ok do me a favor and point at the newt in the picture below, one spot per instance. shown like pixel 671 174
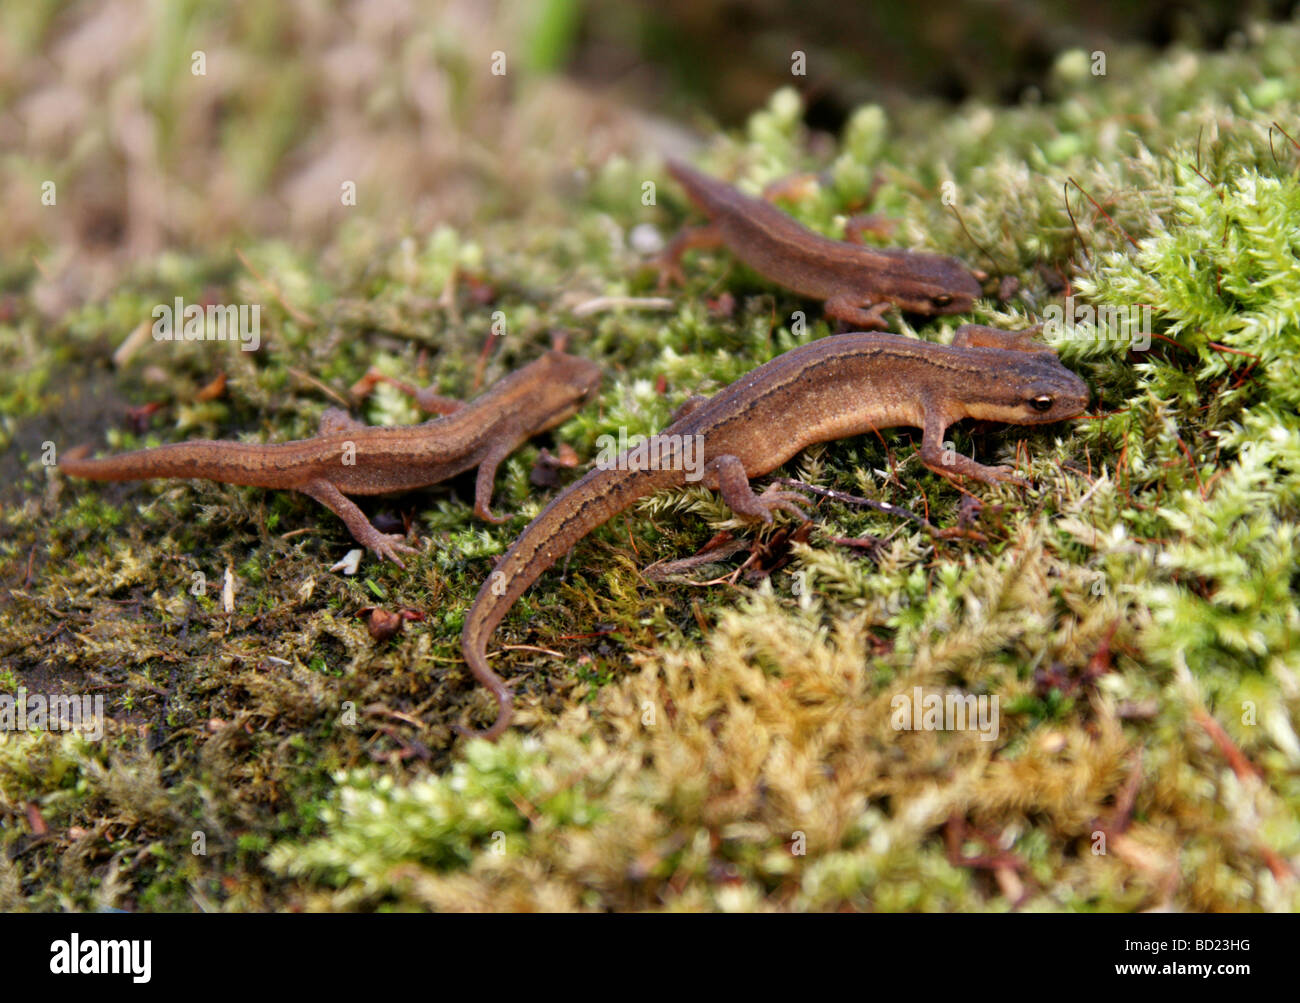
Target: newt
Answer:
pixel 349 457
pixel 839 386
pixel 857 283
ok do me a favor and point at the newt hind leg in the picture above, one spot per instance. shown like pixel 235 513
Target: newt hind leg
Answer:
pixel 334 419
pixel 669 261
pixel 486 480
pixel 692 403
pixel 426 398
pixel 385 546
pixel 983 336
pixel 728 474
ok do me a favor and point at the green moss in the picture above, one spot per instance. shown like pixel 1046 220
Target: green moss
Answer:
pixel 689 728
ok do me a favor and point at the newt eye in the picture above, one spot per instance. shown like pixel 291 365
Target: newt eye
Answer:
pixel 943 299
pixel 1041 403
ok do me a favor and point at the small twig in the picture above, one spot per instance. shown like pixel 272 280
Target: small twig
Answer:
pixel 1195 473
pixel 378 708
pixel 1198 173
pixel 840 496
pixel 867 543
pixel 1176 344
pixel 955 834
pixel 410 746
pixel 711 554
pixel 602 303
pixel 1235 351
pixel 582 637
pixel 312 381
pixel 290 309
pixel 1109 219
pixel 1065 194
pixel 1121 816
pixel 532 647
pixel 526 808
pixel 133 342
pixel 1241 766
pixel 1284 133
pixel 982 249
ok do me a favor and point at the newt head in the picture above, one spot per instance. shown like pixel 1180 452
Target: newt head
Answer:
pixel 932 284
pixel 1027 390
pixel 568 383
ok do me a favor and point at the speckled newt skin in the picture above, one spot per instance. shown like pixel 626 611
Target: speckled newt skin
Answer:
pixel 857 283
pixel 840 386
pixel 349 457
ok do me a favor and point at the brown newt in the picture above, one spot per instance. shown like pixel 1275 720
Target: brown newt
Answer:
pixel 836 387
pixel 857 283
pixel 349 457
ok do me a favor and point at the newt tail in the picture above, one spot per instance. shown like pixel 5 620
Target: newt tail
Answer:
pixel 263 465
pixel 593 499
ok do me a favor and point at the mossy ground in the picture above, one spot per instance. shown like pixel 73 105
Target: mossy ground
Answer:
pixel 716 740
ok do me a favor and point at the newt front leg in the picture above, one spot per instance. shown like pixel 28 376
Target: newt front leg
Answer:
pixel 850 310
pixel 951 464
pixel 426 398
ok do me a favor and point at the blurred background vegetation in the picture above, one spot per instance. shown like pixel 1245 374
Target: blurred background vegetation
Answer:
pixel 103 99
